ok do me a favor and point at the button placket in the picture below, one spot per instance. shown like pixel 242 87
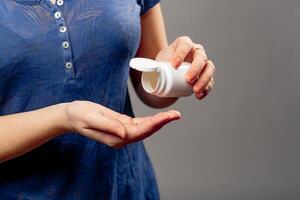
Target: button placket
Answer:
pixel 59 2
pixel 62 31
pixel 65 44
pixel 57 15
pixel 69 65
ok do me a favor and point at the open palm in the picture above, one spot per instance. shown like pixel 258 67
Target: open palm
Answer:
pixel 112 128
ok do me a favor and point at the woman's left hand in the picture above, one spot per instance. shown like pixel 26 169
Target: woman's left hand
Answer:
pixel 200 75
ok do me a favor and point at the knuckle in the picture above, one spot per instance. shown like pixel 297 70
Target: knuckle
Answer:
pixel 182 51
pixel 201 55
pixel 204 56
pixel 185 39
pixel 202 64
pixel 213 68
pixel 186 47
pixel 180 56
pixel 199 46
pixel 211 64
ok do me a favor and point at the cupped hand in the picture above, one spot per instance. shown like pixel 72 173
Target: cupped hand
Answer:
pixel 200 75
pixel 112 128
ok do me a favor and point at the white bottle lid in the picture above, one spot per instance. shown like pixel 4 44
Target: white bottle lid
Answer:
pixel 144 64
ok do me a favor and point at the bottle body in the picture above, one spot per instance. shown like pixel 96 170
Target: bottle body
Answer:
pixel 167 81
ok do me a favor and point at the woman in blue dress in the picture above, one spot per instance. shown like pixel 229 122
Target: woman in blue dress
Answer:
pixel 67 130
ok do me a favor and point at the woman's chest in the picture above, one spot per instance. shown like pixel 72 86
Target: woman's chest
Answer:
pixel 70 29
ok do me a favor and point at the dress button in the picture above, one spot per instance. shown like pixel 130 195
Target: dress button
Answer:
pixel 65 44
pixel 60 2
pixel 63 29
pixel 69 65
pixel 57 15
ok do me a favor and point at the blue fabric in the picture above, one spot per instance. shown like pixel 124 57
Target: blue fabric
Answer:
pixel 103 36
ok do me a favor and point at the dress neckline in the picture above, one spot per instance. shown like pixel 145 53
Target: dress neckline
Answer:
pixel 53 2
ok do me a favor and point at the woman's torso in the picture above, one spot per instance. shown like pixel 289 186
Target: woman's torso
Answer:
pixel 81 54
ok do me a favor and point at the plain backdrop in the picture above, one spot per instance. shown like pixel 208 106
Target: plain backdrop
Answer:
pixel 241 142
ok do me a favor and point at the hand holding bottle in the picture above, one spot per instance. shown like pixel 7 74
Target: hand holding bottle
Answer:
pixel 200 73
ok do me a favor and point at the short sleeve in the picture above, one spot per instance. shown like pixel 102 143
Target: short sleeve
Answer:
pixel 147 5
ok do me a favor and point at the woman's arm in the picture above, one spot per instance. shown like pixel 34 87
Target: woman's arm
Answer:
pixel 19 133
pixel 154 45
pixel 22 132
pixel 153 40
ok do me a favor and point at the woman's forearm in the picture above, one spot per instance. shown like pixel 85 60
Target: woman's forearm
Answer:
pixel 22 132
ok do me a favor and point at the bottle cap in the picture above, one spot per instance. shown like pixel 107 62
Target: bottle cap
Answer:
pixel 144 64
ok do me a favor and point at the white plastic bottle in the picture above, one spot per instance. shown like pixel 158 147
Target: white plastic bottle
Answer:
pixel 161 78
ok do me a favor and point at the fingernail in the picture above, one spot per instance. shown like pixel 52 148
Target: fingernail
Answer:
pixel 200 96
pixel 175 115
pixel 206 91
pixel 178 113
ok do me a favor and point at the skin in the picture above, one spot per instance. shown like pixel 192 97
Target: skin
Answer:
pixel 22 132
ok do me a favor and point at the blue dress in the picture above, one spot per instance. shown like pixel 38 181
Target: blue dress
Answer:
pixel 74 50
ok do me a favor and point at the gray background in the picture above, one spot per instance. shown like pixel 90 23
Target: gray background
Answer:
pixel 242 142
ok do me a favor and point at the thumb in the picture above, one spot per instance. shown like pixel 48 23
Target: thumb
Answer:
pixel 151 125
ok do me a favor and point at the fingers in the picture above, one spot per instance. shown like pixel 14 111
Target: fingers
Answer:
pixel 110 140
pixel 182 47
pixel 137 129
pixel 206 91
pixel 102 123
pixel 199 61
pixel 205 77
pixel 151 125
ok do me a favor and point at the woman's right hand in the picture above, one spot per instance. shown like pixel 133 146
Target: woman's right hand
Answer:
pixel 112 128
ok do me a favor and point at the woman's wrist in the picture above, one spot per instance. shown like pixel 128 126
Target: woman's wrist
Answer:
pixel 59 119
